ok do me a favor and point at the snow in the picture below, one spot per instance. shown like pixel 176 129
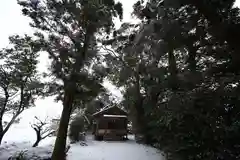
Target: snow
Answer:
pixel 21 137
pixel 122 150
pixel 11 150
pixel 108 115
pixel 107 108
pixel 93 150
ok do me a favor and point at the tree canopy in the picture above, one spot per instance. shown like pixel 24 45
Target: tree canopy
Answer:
pixel 178 68
pixel 68 31
pixel 20 83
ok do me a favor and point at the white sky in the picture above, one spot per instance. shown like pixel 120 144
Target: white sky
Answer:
pixel 14 23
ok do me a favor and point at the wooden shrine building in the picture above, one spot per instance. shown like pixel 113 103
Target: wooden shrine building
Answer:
pixel 110 123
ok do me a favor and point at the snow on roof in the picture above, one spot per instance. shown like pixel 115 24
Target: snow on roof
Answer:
pixel 107 108
pixel 118 116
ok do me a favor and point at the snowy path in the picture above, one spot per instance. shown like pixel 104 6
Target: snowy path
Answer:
pixel 95 150
pixel 128 150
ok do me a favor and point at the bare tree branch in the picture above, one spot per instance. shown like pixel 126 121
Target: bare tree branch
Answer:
pixel 41 129
pixel 14 117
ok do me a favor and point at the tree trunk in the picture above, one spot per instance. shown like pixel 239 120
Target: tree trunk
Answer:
pixel 1 131
pixel 36 143
pixel 172 66
pixel 1 138
pixel 192 59
pixel 140 113
pixel 2 111
pixel 59 151
pixel 39 138
pixel 192 66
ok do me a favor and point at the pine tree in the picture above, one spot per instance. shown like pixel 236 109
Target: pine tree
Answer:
pixel 20 83
pixel 67 31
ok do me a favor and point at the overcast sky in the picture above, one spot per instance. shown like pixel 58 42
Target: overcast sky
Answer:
pixel 12 22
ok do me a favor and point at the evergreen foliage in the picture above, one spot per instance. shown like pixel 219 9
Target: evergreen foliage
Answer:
pixel 19 81
pixel 77 128
pixel 67 30
pixel 179 70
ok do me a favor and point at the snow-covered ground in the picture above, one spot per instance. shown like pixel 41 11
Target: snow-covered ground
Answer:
pixel 21 137
pixel 113 150
pixel 10 148
pixel 14 149
pixel 95 150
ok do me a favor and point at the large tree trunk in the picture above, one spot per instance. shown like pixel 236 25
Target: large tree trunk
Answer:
pixel 1 131
pixel 59 152
pixel 192 66
pixel 140 112
pixel 192 59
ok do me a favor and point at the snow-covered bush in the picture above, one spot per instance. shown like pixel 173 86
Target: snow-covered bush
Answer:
pixel 23 156
pixel 77 129
pixel 19 156
pixel 24 151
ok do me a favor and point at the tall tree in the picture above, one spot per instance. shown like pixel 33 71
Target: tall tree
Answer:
pixel 70 29
pixel 188 77
pixel 19 80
